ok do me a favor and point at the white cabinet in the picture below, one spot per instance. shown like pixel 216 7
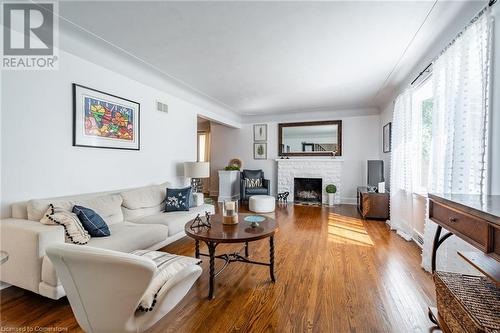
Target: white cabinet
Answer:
pixel 229 185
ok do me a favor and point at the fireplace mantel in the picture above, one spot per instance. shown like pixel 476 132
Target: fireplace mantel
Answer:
pixel 328 169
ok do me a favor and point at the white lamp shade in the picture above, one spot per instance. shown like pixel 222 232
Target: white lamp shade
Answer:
pixel 197 169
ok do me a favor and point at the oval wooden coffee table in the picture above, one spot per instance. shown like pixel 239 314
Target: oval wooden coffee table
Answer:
pixel 243 232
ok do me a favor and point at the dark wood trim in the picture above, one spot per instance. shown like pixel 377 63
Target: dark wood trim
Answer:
pixel 103 92
pixel 310 123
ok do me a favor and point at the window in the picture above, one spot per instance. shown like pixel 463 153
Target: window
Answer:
pixel 202 147
pixel 422 105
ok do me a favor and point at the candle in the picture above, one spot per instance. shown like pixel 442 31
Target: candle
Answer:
pixel 230 205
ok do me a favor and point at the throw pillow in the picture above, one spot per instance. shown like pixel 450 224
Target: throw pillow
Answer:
pixel 91 221
pixel 178 199
pixel 168 265
pixel 253 182
pixel 254 174
pixel 75 233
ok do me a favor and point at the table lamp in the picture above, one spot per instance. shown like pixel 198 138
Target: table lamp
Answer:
pixel 196 171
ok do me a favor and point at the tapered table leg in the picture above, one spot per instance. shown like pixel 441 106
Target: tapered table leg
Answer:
pixel 211 252
pixel 197 248
pixel 271 255
pixel 246 249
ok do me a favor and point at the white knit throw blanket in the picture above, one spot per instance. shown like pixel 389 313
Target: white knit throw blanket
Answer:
pixel 168 265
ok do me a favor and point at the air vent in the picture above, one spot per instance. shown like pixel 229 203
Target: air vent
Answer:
pixel 161 106
pixel 418 238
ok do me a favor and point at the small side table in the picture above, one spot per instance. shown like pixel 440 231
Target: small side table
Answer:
pixel 373 205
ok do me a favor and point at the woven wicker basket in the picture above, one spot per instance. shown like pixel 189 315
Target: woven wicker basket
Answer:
pixel 467 303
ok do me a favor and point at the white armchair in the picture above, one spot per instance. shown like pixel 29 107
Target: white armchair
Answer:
pixel 104 287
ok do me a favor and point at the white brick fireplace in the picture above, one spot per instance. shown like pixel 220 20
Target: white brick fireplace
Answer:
pixel 329 170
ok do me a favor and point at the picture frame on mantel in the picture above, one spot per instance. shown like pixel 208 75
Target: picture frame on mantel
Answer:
pixel 260 132
pixel 102 120
pixel 387 132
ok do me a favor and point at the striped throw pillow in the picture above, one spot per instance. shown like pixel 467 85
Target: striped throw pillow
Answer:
pixel 253 182
pixel 75 233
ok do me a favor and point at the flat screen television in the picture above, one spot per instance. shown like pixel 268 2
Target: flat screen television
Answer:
pixel 375 172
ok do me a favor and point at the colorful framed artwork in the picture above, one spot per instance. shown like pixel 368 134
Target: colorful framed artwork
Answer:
pixel 260 151
pixel 102 120
pixel 260 132
pixel 387 137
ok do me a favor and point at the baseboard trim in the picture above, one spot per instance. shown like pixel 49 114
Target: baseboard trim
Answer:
pixel 349 201
pixel 4 285
pixel 344 201
pixel 418 238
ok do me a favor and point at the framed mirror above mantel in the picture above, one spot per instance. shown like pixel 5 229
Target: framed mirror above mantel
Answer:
pixel 313 138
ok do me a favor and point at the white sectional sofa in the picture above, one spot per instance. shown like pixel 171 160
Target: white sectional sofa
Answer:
pixel 135 218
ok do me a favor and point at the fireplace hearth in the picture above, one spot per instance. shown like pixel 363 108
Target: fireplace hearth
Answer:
pixel 308 190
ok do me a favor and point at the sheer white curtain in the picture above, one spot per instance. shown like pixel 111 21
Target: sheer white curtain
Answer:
pixel 459 145
pixel 403 165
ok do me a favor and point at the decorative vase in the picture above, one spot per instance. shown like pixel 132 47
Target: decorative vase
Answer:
pixel 331 199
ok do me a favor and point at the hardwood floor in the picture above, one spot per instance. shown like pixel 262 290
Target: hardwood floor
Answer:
pixel 334 271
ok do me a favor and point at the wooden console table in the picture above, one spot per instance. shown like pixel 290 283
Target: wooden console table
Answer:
pixel 476 220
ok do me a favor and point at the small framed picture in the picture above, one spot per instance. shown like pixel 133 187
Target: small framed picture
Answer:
pixel 387 137
pixel 260 132
pixel 102 120
pixel 260 151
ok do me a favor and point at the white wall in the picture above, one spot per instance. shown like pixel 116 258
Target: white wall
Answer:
pixel 228 143
pixel 37 156
pixel 360 142
pixel 385 118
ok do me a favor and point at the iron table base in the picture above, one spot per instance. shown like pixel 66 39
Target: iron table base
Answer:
pixel 232 257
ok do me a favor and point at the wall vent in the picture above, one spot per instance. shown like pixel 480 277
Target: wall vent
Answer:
pixel 160 106
pixel 418 238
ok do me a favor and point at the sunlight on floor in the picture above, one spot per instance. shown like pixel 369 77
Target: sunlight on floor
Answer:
pixel 347 230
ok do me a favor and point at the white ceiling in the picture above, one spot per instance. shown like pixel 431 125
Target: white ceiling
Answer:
pixel 274 57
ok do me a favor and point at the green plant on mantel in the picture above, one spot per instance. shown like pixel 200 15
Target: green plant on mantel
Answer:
pixel 330 188
pixel 232 168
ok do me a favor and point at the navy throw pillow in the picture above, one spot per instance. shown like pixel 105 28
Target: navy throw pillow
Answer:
pixel 92 222
pixel 178 199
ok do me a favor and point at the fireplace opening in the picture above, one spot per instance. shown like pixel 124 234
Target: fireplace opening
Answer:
pixel 307 190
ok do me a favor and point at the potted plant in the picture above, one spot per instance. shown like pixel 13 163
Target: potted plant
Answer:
pixel 331 190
